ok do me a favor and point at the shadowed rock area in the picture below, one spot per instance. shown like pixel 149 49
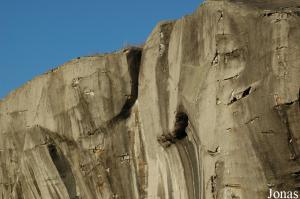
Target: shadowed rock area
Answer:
pixel 208 108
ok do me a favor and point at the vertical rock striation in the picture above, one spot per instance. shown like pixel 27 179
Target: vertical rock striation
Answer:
pixel 208 108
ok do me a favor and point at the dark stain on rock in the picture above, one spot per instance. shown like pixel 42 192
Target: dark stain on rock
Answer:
pixel 189 159
pixel 162 73
pixel 34 181
pixel 19 191
pixel 134 61
pixel 217 179
pixel 282 112
pixel 64 169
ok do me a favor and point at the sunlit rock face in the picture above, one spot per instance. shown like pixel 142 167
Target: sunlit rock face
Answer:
pixel 208 108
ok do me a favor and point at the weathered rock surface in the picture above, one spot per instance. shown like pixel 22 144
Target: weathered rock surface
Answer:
pixel 209 108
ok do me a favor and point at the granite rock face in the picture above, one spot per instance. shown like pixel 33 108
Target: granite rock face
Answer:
pixel 208 108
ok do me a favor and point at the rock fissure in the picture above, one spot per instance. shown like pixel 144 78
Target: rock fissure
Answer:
pixel 178 133
pixel 134 57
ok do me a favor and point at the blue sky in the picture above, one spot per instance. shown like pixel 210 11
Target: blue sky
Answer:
pixel 37 35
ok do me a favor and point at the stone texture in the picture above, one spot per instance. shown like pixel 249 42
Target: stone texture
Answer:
pixel 208 108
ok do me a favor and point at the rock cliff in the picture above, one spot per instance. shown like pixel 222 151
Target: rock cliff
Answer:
pixel 208 108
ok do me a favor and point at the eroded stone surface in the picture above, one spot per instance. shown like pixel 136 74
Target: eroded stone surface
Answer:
pixel 209 108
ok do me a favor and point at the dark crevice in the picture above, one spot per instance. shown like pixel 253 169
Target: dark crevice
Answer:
pixel 214 152
pixel 182 121
pixel 268 14
pixel 252 120
pixel 134 56
pixel 271 13
pixel 178 133
pixel 213 185
pixel 215 60
pixel 288 104
pixel 232 77
pixel 282 111
pixel 221 15
pixel 240 95
pixel 216 180
pixel 296 174
pixel 234 53
pixel 246 92
pixel 64 169
pixel 268 132
pixel 234 99
pixel 281 47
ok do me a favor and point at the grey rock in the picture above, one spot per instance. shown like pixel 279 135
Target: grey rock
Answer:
pixel 208 108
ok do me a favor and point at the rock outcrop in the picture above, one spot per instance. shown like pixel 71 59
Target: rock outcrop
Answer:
pixel 208 108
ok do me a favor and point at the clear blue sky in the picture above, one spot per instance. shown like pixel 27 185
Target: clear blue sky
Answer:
pixel 37 35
